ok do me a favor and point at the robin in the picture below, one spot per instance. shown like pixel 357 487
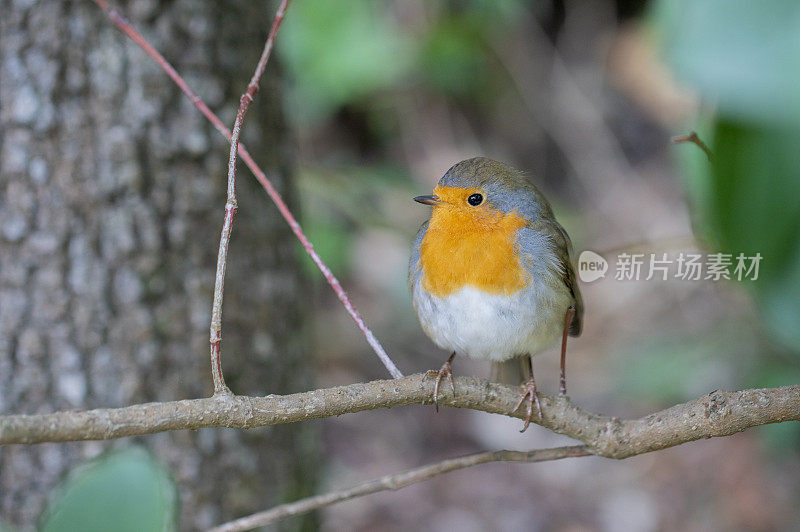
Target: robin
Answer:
pixel 491 275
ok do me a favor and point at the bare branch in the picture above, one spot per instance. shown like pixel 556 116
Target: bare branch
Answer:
pixel 262 178
pixel 719 413
pixel 694 139
pixel 397 481
pixel 231 205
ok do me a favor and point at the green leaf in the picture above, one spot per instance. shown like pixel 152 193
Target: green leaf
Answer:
pixel 743 58
pixel 121 491
pixel 755 177
pixel 748 201
pixel 754 208
pixel 742 55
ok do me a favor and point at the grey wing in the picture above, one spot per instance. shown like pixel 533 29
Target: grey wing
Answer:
pixel 561 247
pixel 413 264
pixel 576 325
pixel 564 254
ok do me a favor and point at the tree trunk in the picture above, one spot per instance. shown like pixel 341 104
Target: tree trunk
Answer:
pixel 113 192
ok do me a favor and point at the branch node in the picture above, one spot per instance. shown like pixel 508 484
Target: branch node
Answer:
pixel 224 393
pixel 230 209
pixel 694 139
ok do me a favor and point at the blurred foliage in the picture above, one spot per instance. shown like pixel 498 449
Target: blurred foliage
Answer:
pixel 756 208
pixel 121 491
pixel 453 57
pixel 338 53
pixel 741 55
pixel 667 369
pixel 335 201
pixel 353 62
pixel 743 58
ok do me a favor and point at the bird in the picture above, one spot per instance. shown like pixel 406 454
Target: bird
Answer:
pixel 491 273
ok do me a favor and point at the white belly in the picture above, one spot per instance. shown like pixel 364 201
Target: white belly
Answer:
pixel 495 327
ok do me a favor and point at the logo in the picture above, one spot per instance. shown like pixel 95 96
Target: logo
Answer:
pixel 591 266
pixel 687 266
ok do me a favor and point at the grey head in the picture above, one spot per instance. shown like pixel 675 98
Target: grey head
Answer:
pixel 505 188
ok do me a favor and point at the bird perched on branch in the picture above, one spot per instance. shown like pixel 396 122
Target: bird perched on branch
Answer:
pixel 491 275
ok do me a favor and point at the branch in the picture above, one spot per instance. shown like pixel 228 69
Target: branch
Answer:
pixel 262 178
pixel 398 481
pixel 231 205
pixel 719 413
pixel 694 139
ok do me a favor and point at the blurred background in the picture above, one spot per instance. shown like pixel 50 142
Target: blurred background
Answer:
pixel 378 100
pixel 584 97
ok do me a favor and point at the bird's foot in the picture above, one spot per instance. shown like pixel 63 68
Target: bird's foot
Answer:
pixel 529 393
pixel 441 373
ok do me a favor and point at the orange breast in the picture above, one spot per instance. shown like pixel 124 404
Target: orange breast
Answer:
pixel 471 247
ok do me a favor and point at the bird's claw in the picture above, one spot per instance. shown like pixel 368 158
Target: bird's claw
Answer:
pixel 529 393
pixel 444 371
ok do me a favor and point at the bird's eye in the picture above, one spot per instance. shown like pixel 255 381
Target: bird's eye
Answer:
pixel 475 199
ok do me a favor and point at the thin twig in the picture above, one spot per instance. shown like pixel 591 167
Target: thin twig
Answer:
pixel 397 481
pixel 262 178
pixel 694 139
pixel 231 205
pixel 719 413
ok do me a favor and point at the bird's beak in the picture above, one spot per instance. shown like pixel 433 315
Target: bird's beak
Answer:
pixel 428 200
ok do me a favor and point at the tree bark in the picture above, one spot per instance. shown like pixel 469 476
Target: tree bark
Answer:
pixel 113 193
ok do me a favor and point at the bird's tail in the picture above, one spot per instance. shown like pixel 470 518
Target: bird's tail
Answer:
pixel 512 371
